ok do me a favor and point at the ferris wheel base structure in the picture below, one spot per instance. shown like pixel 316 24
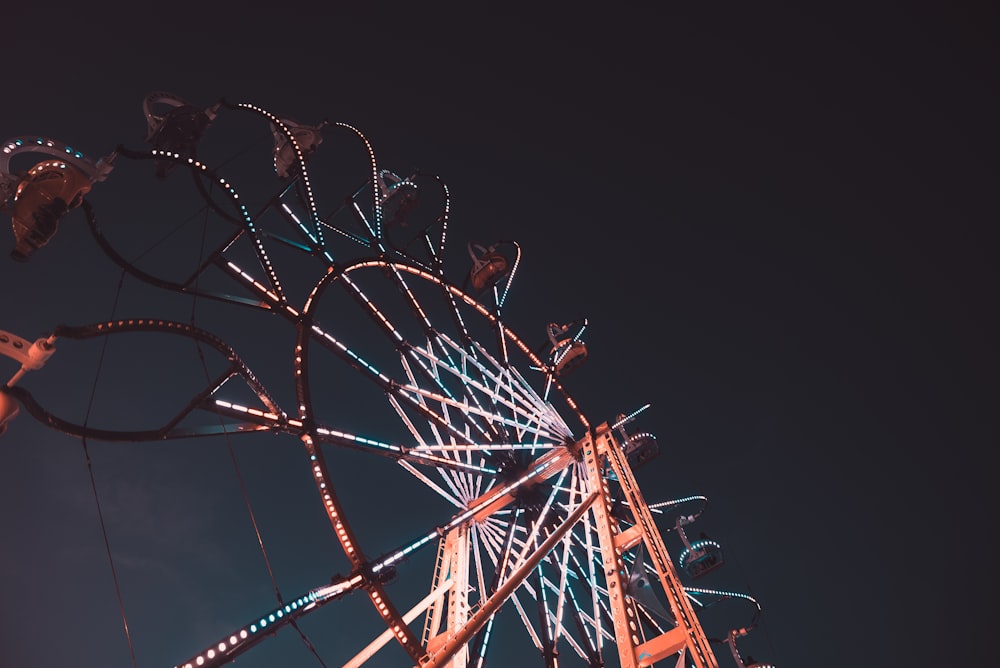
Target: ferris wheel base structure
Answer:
pixel 597 453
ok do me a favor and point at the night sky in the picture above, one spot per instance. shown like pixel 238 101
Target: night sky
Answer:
pixel 779 222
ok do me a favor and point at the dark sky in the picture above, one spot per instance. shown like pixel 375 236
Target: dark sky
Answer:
pixel 779 221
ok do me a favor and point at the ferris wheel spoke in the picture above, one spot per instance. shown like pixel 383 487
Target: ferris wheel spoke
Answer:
pixel 496 538
pixel 451 447
pixel 479 447
pixel 520 404
pixel 551 622
pixel 563 589
pixel 498 499
pixel 413 392
pixel 559 630
pixel 561 562
pixel 465 413
pixel 598 620
pixel 256 419
pixel 449 476
pixel 461 481
pixel 422 444
pixel 389 385
pixel 451 498
pixel 477 559
pixel 395 451
pixel 556 628
pixel 230 647
pixel 414 353
pixel 370 371
pixel 599 617
pixel 435 420
pixel 507 588
pixel 480 643
pixel 396 338
pixel 464 481
pixel 529 545
pixel 460 372
pixel 500 548
pixel 595 623
pixel 526 621
pixel 542 613
pixel 588 647
pixel 527 394
pixel 520 392
pixel 507 336
pixel 404 417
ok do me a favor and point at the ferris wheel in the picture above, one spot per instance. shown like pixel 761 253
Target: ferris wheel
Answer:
pixel 521 512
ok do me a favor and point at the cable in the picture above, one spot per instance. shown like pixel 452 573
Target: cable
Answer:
pixel 236 467
pixel 93 481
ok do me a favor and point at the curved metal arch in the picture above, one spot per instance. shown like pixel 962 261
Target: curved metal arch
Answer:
pixel 268 298
pixel 278 418
pixel 436 247
pixel 183 288
pixel 316 236
pixel 374 227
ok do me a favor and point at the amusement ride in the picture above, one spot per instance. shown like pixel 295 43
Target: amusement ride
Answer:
pixel 401 359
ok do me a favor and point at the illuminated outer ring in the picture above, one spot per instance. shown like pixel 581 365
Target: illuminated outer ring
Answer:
pixel 306 335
